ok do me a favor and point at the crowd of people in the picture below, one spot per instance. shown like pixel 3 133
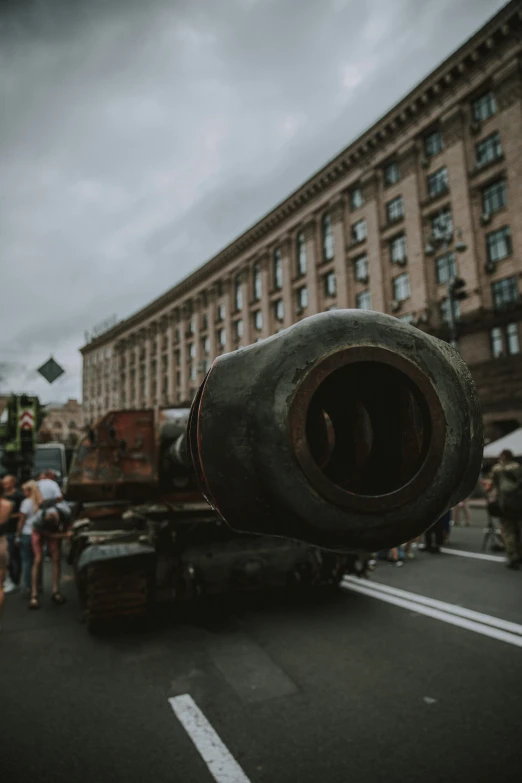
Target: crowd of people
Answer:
pixel 503 491
pixel 25 540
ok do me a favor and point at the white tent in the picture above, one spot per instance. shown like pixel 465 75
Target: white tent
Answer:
pixel 513 442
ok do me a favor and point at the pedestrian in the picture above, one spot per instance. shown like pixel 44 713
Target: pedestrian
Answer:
pixel 28 513
pixel 40 536
pixel 12 493
pixel 507 480
pixel 48 486
pixel 436 532
pixel 464 507
pixel 6 509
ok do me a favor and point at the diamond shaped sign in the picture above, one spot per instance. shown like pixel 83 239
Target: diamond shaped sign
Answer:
pixel 51 370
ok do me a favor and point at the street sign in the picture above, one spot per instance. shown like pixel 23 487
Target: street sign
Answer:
pixel 51 370
pixel 26 419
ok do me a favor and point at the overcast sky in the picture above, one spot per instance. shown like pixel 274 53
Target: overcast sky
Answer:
pixel 139 138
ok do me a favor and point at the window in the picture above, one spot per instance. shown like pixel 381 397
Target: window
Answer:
pixel 359 231
pixel 513 344
pixel 221 312
pixel 494 197
pixel 328 238
pixel 238 293
pixel 222 337
pixel 398 249
pixel 239 329
pixel 445 310
pixel 392 174
pixel 441 222
pixel 205 344
pixel 497 342
pixel 438 182
pixel 279 310
pixel 301 254
pixel 504 292
pixel 176 358
pixel 484 107
pixel 407 318
pixel 329 284
pixel 356 198
pixel 433 144
pixel 204 323
pixel 256 282
pixel 192 351
pixel 488 149
pixel 498 244
pixel 395 209
pixel 445 267
pixel 258 320
pixel 278 270
pixel 192 372
pixel 302 297
pixel 401 287
pixel 360 268
pixel 364 300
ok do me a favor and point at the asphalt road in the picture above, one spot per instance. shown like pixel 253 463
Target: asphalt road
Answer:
pixel 274 689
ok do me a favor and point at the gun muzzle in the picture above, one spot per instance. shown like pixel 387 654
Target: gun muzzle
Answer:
pixel 350 430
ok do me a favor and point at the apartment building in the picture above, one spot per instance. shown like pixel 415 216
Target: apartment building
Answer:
pixel 365 232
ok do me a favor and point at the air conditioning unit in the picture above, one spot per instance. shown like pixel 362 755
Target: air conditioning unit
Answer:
pixel 475 126
pixel 395 305
pixel 364 279
pixel 425 162
pixel 402 261
pixel 485 218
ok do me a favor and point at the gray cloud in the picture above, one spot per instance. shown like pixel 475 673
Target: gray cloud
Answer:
pixel 137 139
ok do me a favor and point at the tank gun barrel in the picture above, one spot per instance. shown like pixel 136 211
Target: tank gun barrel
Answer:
pixel 350 430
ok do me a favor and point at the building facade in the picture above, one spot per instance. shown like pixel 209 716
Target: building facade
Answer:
pixel 63 422
pixel 363 233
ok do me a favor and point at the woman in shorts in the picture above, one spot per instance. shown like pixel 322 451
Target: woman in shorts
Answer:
pixel 28 513
pixel 6 507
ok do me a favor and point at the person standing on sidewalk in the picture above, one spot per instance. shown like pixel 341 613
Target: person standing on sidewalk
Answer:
pixel 6 509
pixel 28 513
pixel 464 507
pixel 507 480
pixel 12 493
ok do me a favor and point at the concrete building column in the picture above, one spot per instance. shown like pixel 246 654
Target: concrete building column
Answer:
pixel 171 369
pixel 228 293
pixel 313 259
pixel 287 247
pixel 370 186
pixel 338 211
pixel 245 311
pixel 264 266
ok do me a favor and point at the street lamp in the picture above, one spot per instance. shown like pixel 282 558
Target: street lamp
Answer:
pixel 441 238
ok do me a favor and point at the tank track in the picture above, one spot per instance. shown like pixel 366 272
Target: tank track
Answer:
pixel 114 590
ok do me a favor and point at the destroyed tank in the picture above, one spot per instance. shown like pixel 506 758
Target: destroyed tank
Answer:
pixel 347 433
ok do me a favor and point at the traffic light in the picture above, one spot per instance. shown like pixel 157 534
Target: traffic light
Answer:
pixel 458 287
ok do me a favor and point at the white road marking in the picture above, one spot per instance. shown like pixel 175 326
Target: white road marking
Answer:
pixel 437 614
pixel 474 555
pixel 222 765
pixel 459 611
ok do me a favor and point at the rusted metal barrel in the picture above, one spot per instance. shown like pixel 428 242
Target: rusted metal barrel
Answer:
pixel 349 430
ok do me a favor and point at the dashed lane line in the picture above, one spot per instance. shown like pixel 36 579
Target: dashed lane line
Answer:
pixel 436 614
pixel 221 764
